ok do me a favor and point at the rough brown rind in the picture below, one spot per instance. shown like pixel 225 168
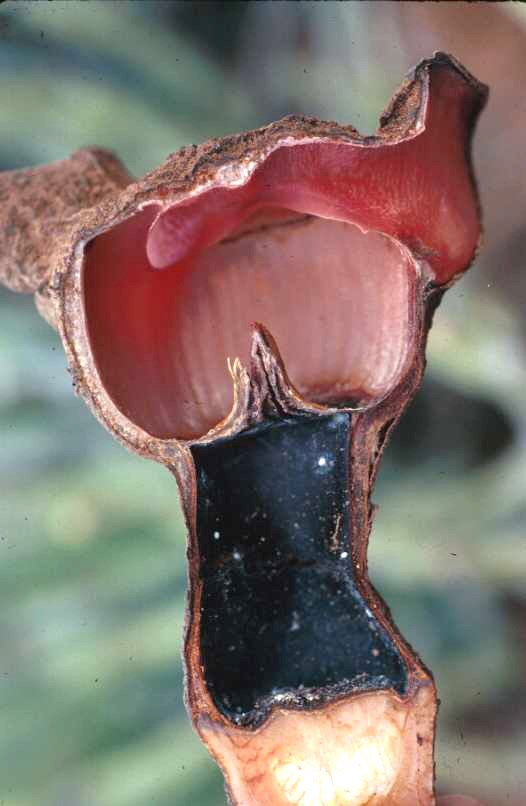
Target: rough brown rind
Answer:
pixel 38 206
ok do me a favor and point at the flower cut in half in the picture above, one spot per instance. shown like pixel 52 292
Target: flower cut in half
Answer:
pixel 253 314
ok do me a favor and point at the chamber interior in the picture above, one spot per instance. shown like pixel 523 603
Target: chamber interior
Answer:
pixel 337 300
pixel 314 242
pixel 283 621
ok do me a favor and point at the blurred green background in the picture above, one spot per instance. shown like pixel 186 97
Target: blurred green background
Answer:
pixel 92 574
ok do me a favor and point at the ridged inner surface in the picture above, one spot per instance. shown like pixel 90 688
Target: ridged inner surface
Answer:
pixel 418 191
pixel 336 300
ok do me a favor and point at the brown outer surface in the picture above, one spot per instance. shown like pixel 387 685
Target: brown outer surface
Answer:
pixel 38 208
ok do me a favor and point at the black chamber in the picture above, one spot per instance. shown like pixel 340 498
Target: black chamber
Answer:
pixel 282 619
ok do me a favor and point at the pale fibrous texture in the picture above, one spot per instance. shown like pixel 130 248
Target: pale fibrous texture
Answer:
pixel 253 314
pixel 359 753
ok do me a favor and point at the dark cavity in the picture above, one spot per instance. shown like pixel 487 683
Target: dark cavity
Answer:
pixel 282 621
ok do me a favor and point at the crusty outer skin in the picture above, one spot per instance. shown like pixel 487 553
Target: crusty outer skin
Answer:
pixel 40 206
